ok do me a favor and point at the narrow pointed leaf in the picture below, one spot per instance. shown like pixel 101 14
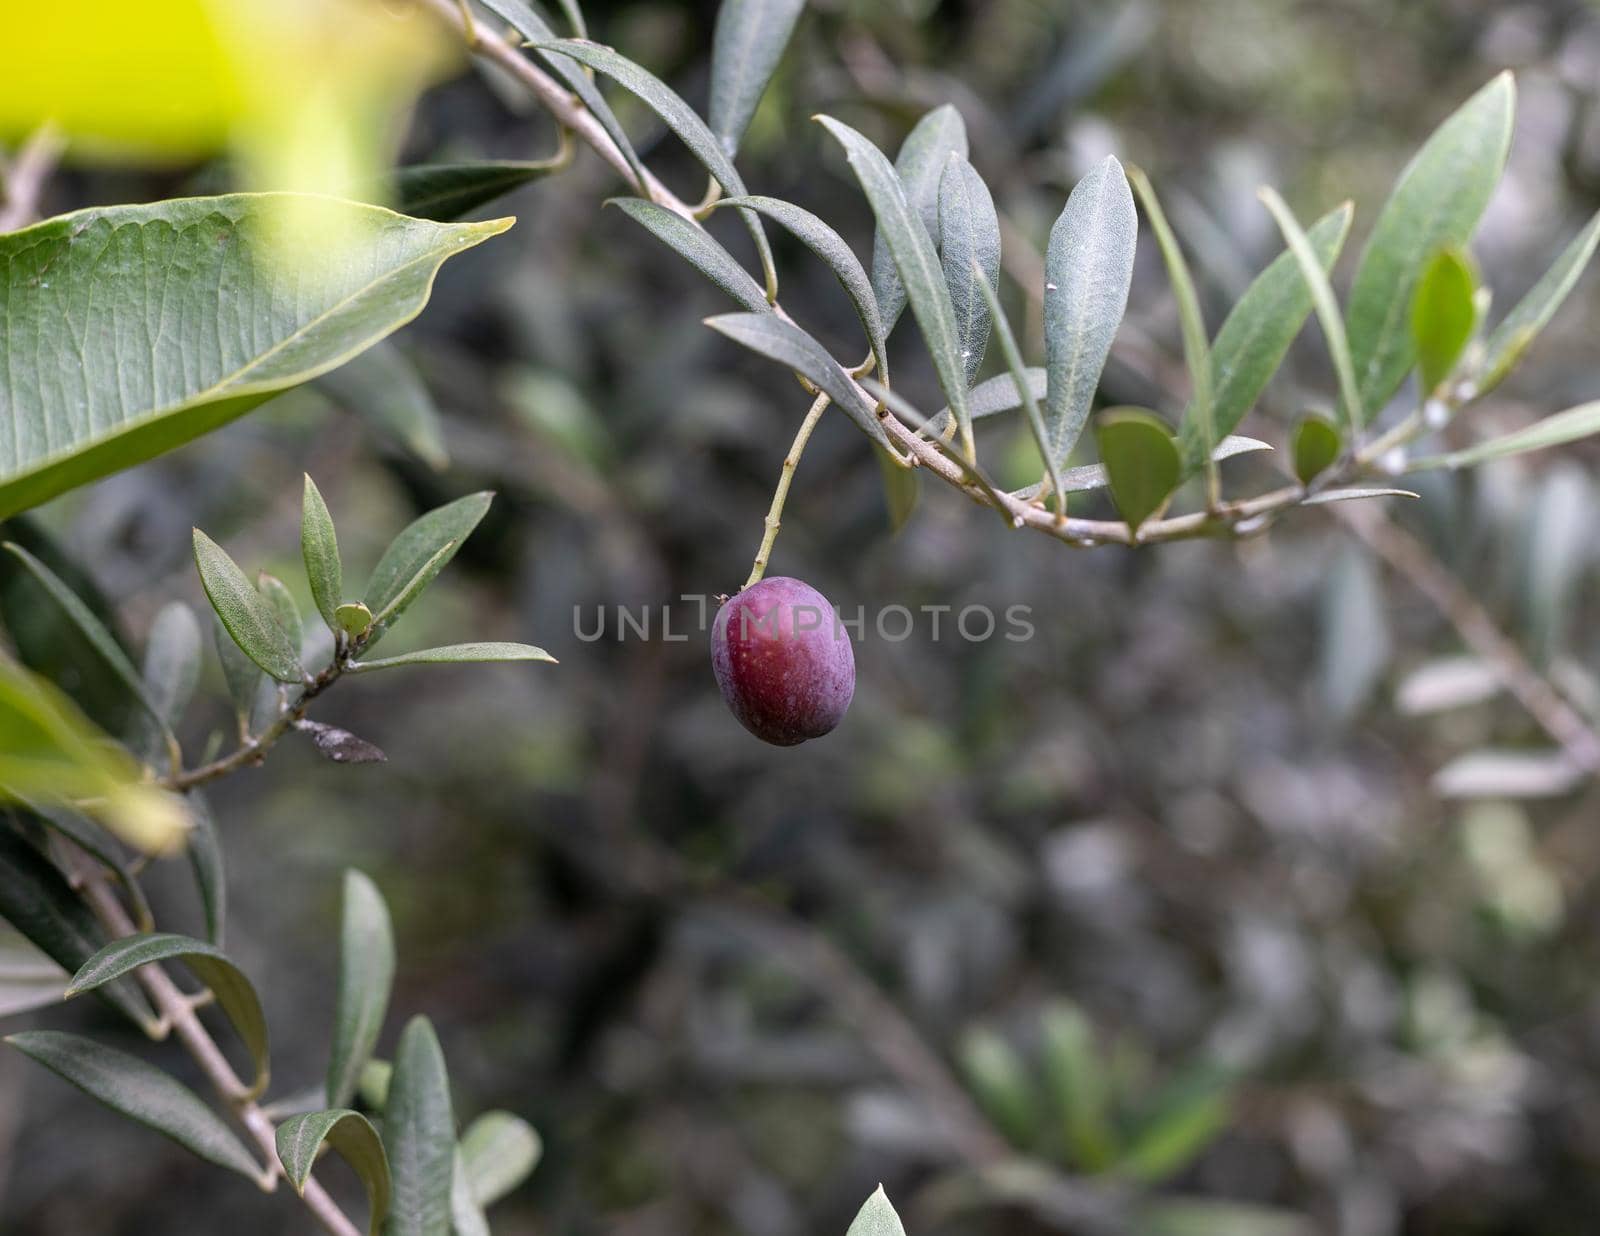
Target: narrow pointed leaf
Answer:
pixel 877 1218
pixel 1512 337
pixel 413 588
pixel 1141 462
pixel 172 661
pixel 418 546
pixel 276 594
pixel 996 395
pixel 1438 201
pixel 241 675
pixel 466 1211
pixel 1019 376
pixel 1185 1117
pixel 1256 334
pixel 457 654
pixel 319 548
pixel 919 164
pixel 235 994
pixel 28 979
pixel 828 245
pixel 141 1092
pixel 419 1135
pixel 366 973
pixel 908 242
pixel 1563 427
pixel 132 329
pixel 745 50
pixel 969 251
pixel 681 119
pixel 205 859
pixel 1443 315
pixel 789 345
pixel 697 247
pixel 446 191
pixel 247 615
pixel 350 1134
pixel 1354 494
pixel 499 1151
pixel 1088 270
pixel 1316 445
pixel 383 388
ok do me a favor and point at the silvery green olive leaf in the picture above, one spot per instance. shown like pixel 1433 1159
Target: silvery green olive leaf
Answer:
pixel 1075 1081
pixel 681 119
pixel 457 654
pixel 1315 445
pixel 1005 1090
pixel 787 344
pixel 1088 477
pixel 1141 462
pixel 419 1135
pixel 876 1218
pixel 1088 268
pixel 1327 307
pixel 1510 340
pixel 1510 774
pixel 499 1151
pixel 234 992
pixel 172 661
pixel 366 973
pixel 1438 201
pixel 248 617
pixel 416 551
pixel 141 1092
pixel 1353 494
pixel 1563 427
pixel 995 395
pixel 205 860
pixel 996 313
pixel 319 549
pixel 919 164
pixel 1256 334
pixel 908 242
pixel 383 388
pixel 697 247
pixel 745 50
pixel 1444 315
pixel 1448 683
pixel 466 1211
pixel 277 595
pixel 828 245
pixel 446 191
pixel 28 979
pixel 241 675
pixel 235 324
pixel 969 251
pixel 1196 351
pixel 340 746
pixel 413 588
pixel 350 1134
pixel 526 22
pixel 36 900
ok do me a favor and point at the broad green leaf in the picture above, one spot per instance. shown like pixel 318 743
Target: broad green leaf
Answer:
pixel 241 675
pixel 828 245
pixel 789 345
pixel 919 164
pixel 132 329
pixel 1438 201
pixel 172 661
pixel 1508 341
pixel 876 1218
pixel 446 191
pixel 466 1211
pixel 276 594
pixel 1183 1120
pixel 681 119
pixel 36 899
pixel 1088 268
pixel 1443 315
pixel 499 1151
pixel 234 992
pixel 457 654
pixel 908 243
pixel 1004 1090
pixel 1555 430
pixel 902 487
pixel 969 250
pixel 300 1138
pixel 1311 269
pixel 526 22
pixel 1141 462
pixel 319 548
pixel 383 388
pixel 51 753
pixel 417 550
pixel 1256 334
pixel 1076 1082
pixel 248 617
pixel 419 1134
pixel 1316 445
pixel 1019 374
pixel 28 979
pixel 366 973
pixel 697 247
pixel 745 50
pixel 205 859
pixel 1196 351
pixel 141 1092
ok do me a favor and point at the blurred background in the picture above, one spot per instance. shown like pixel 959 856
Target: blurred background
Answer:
pixel 1236 901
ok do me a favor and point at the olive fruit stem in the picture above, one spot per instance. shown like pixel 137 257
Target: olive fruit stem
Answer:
pixel 791 461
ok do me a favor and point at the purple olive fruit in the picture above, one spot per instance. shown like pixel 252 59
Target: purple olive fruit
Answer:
pixel 783 661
